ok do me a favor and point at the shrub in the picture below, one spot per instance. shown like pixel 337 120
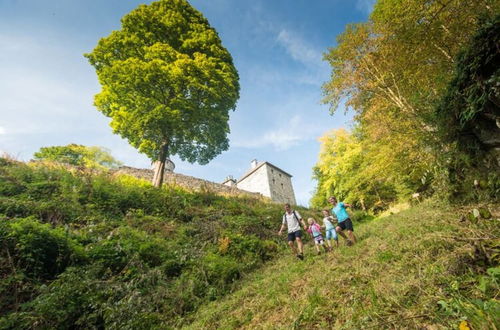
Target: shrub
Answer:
pixel 91 250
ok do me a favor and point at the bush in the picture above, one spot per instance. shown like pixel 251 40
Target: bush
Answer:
pixel 85 249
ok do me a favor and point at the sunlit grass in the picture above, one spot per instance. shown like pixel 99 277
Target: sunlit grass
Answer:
pixel 399 275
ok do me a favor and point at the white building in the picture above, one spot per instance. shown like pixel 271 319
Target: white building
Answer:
pixel 267 179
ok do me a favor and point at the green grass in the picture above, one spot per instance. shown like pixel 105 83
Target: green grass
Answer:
pixel 87 249
pixel 83 249
pixel 407 271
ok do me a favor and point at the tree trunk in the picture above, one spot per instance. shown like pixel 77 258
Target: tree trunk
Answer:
pixel 159 166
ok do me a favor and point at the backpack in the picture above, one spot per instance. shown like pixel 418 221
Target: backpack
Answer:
pixel 294 215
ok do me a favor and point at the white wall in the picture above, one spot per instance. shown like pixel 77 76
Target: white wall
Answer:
pixel 256 182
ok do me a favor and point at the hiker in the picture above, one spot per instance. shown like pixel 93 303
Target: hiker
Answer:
pixel 330 232
pixel 293 219
pixel 344 222
pixel 315 231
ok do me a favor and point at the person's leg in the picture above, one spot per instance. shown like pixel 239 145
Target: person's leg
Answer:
pixel 350 230
pixel 317 247
pixel 335 237
pixel 300 245
pixel 352 238
pixel 329 243
pixel 340 232
pixel 292 246
pixel 329 239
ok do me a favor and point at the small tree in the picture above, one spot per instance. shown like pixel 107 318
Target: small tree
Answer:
pixel 78 155
pixel 167 83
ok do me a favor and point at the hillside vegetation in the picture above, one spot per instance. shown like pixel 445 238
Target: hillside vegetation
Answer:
pixel 85 249
pixel 422 268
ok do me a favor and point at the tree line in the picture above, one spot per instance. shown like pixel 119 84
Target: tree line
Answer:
pixel 422 78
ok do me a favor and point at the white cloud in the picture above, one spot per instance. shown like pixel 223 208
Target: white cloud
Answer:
pixel 366 6
pixel 291 133
pixel 299 49
pixel 2 130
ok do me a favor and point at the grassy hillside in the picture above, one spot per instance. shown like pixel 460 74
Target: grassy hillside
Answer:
pixel 83 249
pixel 420 269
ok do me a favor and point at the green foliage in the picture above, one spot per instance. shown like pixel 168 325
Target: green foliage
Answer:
pixel 392 71
pixel 78 155
pixel 468 117
pixel 32 253
pixel 354 170
pixel 85 249
pixel 167 82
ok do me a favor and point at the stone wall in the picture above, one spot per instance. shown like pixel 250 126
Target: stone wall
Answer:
pixel 185 181
pixel 280 186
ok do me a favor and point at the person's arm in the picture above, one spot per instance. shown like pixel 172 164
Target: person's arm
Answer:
pixel 347 205
pixel 281 229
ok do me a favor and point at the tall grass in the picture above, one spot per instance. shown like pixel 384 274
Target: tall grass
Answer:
pixel 419 269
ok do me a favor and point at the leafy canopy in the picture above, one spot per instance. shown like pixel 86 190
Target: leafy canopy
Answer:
pixel 167 82
pixel 78 155
pixel 468 112
pixel 392 71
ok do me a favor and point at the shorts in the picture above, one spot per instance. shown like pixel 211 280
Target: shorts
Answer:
pixel 346 224
pixel 332 233
pixel 318 240
pixel 294 235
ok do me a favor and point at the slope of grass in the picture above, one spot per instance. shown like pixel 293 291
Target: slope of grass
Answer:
pixel 83 249
pixel 422 268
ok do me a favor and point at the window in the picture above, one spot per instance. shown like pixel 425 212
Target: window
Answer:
pixel 282 186
pixel 280 175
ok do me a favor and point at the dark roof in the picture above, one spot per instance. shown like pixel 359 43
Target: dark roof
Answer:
pixel 227 180
pixel 259 166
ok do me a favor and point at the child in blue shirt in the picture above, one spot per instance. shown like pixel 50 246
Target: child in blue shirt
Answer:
pixel 328 224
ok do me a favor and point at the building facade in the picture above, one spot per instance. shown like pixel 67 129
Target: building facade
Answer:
pixel 268 180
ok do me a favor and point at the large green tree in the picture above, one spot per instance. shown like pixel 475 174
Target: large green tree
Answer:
pixel 168 84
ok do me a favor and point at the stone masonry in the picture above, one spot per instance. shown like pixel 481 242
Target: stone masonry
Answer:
pixel 269 180
pixel 185 181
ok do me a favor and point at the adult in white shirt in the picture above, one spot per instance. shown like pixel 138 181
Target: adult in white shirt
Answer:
pixel 292 219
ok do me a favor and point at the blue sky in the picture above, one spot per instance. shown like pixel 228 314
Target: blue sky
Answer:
pixel 47 86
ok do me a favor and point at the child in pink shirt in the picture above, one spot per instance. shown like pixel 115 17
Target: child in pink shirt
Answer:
pixel 315 231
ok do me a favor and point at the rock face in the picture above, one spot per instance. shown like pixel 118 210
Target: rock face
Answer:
pixel 188 182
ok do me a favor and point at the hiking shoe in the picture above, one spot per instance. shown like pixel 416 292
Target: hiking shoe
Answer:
pixel 300 256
